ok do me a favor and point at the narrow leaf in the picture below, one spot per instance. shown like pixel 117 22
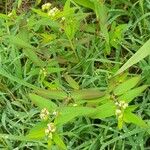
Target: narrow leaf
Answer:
pixel 86 94
pixel 130 95
pixel 42 102
pixel 105 110
pixel 59 142
pixel 101 13
pixel 85 3
pixel 132 108
pixel 71 82
pixel 38 131
pixel 132 118
pixel 120 123
pixel 126 86
pixel 68 113
pixel 138 56
pixel 52 94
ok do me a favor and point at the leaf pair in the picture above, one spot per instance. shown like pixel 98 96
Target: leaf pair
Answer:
pixel 126 92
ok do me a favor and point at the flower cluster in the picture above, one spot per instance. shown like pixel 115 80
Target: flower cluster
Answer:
pixel 53 12
pixel 46 6
pixel 44 114
pixel 43 71
pixel 121 106
pixel 51 128
pixel 55 113
pixel 50 11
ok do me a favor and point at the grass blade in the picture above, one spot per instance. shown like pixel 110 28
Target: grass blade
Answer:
pixel 13 78
pixel 143 52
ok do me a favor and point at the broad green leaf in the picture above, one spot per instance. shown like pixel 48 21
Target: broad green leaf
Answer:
pixel 52 94
pixel 127 85
pixel 38 131
pixel 130 95
pixel 42 102
pixel 129 117
pixel 86 94
pixel 138 56
pixel 105 110
pixel 66 114
pixel 71 82
pixel 59 142
pixel 85 3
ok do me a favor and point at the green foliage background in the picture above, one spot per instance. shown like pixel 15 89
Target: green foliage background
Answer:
pixel 79 62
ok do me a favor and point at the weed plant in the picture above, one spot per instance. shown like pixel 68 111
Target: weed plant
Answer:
pixel 74 74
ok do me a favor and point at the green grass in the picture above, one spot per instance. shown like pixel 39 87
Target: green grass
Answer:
pixel 85 51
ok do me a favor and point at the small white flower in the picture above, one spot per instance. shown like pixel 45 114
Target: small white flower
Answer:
pixel 46 131
pixel 55 9
pixel 50 130
pixel 122 102
pixel 118 112
pixel 53 12
pixel 125 106
pixel 120 105
pixel 44 114
pixel 51 127
pixel 46 6
pixel 63 18
pixel 43 71
pixel 116 103
pixel 55 113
